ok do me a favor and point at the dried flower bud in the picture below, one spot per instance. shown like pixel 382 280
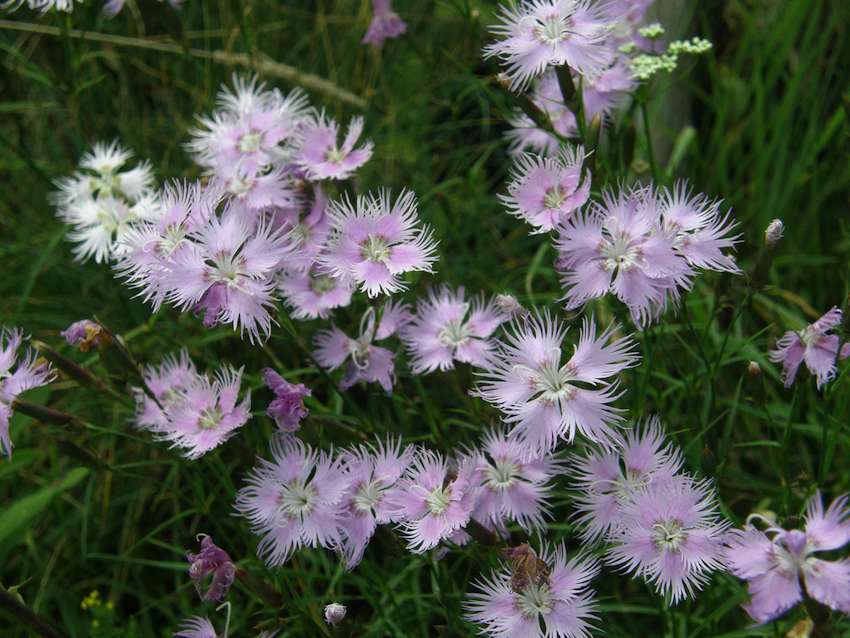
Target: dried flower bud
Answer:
pixel 214 561
pixel 85 334
pixel 334 613
pixel 526 568
pixel 754 369
pixel 773 233
pixel 509 305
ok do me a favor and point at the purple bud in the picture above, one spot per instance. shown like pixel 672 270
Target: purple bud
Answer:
pixel 287 409
pixel 85 334
pixel 334 613
pixel 211 561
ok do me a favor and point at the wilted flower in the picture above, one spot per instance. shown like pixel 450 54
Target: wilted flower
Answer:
pixel 28 373
pixel 196 627
pixel 373 473
pixel 433 499
pixel 536 597
pixel 211 561
pixel 447 328
pixel 537 34
pixel 546 191
pixel 287 409
pixel 512 487
pixel 294 500
pixel 385 24
pixel 374 242
pixel 609 479
pixel 334 613
pixel 814 345
pixel 85 334
pixel 320 156
pixel 366 362
pixel 671 536
pixel 545 399
pixel 774 566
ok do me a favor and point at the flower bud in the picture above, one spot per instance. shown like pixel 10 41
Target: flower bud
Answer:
pixel 334 613
pixel 754 369
pixel 773 233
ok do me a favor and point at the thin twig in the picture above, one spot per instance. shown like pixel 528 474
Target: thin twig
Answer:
pixel 260 63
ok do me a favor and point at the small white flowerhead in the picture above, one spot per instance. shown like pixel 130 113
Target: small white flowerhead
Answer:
pixel 334 613
pixel 773 233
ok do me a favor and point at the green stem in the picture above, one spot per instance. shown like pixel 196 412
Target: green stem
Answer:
pixel 649 151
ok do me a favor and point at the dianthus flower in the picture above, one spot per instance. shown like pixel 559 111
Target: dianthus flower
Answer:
pixel 196 627
pixel 294 500
pixel 775 567
pixel 546 191
pixel 320 156
pixel 373 473
pixel 314 293
pixel 526 135
pixel 536 597
pixel 447 328
pixel 512 486
pixel 308 228
pixel 28 373
pixel 287 409
pixel 433 499
pixel 385 24
pixel 545 399
pixel 101 202
pixel 212 561
pixel 671 536
pixel 167 382
pixel 608 479
pixel 366 362
pixel 621 246
pixel 375 241
pixel 814 345
pixel 538 34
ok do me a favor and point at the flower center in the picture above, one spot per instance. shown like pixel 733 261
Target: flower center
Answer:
pixel 322 284
pixel 454 333
pixel 375 248
pixel 668 534
pixel 549 379
pixel 535 599
pixel 808 335
pixel 552 29
pixel 502 474
pixel 227 268
pixel 210 418
pixel 173 236
pixel 359 350
pixel 438 501
pixel 334 155
pixel 554 198
pixel 250 142
pixel 619 253
pixel 240 186
pixel 296 499
pixel 368 495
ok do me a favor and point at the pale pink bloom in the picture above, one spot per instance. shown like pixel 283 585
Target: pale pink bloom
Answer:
pixel 334 613
pixel 671 536
pixel 525 135
pixel 433 499
pixel 287 409
pixel 536 597
pixel 622 247
pixel 314 293
pixel 322 158
pixel 513 487
pixel 17 375
pixel 364 360
pixel 307 230
pixel 168 382
pixel 212 561
pixel 537 34
pixel 609 478
pixel 375 241
pixel 196 627
pixel 604 93
pixel 294 500
pixel 257 191
pixel 546 191
pixel 815 345
pixel 545 399
pixel 373 473
pixel 385 24
pixel 775 567
pixel 447 328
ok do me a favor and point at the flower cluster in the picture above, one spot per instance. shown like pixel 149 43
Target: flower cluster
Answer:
pixel 777 563
pixel 17 375
pixel 660 523
pixel 645 245
pixel 190 410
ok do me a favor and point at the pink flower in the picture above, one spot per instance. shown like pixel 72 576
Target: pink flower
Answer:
pixel 196 627
pixel 168 382
pixel 373 472
pixel 604 93
pixel 621 246
pixel 536 597
pixel 526 135
pixel 374 242
pixel 294 500
pixel 814 345
pixel 365 361
pixel 512 487
pixel 446 328
pixel 538 34
pixel 774 566
pixel 211 561
pixel 546 191
pixel 321 158
pixel 314 293
pixel 433 499
pixel 385 24
pixel 287 409
pixel 17 375
pixel 544 399
pixel 671 536
pixel 608 479
pixel 307 230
